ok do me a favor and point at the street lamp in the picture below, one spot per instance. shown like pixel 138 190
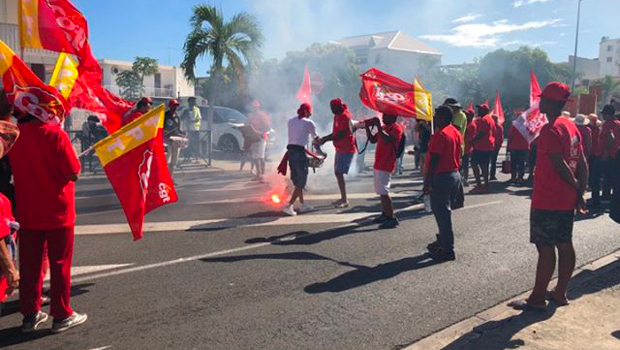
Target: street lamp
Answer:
pixel 574 76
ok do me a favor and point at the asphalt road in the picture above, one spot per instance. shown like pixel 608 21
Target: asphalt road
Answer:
pixel 223 270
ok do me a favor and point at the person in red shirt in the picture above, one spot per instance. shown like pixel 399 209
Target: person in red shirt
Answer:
pixel 45 168
pixel 499 141
pixel 442 180
pixel 470 133
pixel 609 143
pixel 343 138
pixel 387 138
pixel 143 106
pixel 9 275
pixel 594 162
pixel 484 145
pixel 518 147
pixel 561 180
pixel 582 122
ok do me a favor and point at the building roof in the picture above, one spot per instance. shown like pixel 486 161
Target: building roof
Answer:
pixel 395 40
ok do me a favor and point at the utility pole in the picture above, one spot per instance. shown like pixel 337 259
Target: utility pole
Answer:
pixel 574 75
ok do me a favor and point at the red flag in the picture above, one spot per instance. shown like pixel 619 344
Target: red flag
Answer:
pixel 530 122
pixel 304 94
pixel 27 92
pixel 387 94
pixel 498 110
pixel 535 90
pixel 470 107
pixel 135 163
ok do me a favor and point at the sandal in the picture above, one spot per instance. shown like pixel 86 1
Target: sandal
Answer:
pixel 549 296
pixel 524 305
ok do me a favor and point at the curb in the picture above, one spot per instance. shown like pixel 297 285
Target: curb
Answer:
pixel 449 335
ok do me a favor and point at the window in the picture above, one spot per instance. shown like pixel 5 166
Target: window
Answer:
pixel 609 59
pixel 39 70
pixel 609 48
pixel 158 81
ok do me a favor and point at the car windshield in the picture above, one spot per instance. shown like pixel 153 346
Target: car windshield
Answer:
pixel 230 115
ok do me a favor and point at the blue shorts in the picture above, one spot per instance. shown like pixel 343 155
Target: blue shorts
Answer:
pixel 342 162
pixel 298 161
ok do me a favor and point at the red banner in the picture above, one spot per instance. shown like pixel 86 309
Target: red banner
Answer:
pixel 387 94
pixel 530 122
pixel 498 110
pixel 304 94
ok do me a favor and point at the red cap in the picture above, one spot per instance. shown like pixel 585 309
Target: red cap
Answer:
pixel 556 91
pixel 305 107
pixel 173 103
pixel 484 105
pixel 256 104
pixel 147 100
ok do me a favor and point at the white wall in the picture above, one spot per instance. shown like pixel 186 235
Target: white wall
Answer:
pixel 610 68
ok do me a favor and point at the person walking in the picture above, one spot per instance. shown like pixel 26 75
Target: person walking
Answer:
pixel 300 128
pixel 518 148
pixel 484 145
pixel 142 107
pixel 173 136
pixel 561 180
pixel 470 133
pixel 387 138
pixel 594 162
pixel 499 142
pixel 46 213
pixel 609 142
pixel 442 180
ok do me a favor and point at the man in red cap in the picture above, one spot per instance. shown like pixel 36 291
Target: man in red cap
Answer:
pixel 173 136
pixel 561 180
pixel 143 106
pixel 344 141
pixel 484 145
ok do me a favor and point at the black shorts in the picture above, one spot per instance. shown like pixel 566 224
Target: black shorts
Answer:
pixel 481 157
pixel 298 162
pixel 550 227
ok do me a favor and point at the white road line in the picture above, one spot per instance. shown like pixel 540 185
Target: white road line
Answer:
pixel 85 270
pixel 308 197
pixel 214 254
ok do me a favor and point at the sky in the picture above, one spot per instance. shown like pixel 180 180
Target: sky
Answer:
pixel 462 30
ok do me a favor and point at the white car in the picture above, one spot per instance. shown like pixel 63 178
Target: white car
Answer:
pixel 225 137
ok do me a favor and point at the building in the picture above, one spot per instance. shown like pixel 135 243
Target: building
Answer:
pixel 609 57
pixel 169 82
pixel 394 52
pixel 588 69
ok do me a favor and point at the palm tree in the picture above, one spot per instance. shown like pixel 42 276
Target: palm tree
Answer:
pixel 234 43
pixel 609 85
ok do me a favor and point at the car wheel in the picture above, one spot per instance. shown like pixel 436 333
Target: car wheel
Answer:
pixel 228 143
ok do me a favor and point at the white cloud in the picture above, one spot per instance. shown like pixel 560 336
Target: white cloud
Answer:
pixel 467 18
pixel 519 3
pixel 482 35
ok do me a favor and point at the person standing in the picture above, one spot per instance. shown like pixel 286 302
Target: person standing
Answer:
pixel 173 136
pixel 582 122
pixel 459 120
pixel 499 141
pixel 561 180
pixel 387 138
pixel 193 120
pixel 344 142
pixel 518 148
pixel 142 107
pixel 594 162
pixel 424 130
pixel 300 128
pixel 260 123
pixel 484 145
pixel 609 142
pixel 45 195
pixel 470 133
pixel 442 180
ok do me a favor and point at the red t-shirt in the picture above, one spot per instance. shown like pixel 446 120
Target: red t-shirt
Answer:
pixel 261 123
pixel 42 161
pixel 596 148
pixel 126 119
pixel 447 145
pixel 586 140
pixel 385 155
pixel 499 136
pixel 470 133
pixel 516 141
pixel 486 125
pixel 6 215
pixel 550 191
pixel 608 127
pixel 342 122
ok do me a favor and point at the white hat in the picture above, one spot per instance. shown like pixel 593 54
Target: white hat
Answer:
pixel 566 114
pixel 581 120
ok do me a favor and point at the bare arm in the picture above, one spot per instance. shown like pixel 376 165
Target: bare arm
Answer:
pixel 560 165
pixel 8 268
pixel 431 169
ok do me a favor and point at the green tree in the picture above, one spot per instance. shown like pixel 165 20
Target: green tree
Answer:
pixel 609 85
pixel 144 67
pixel 234 43
pixel 130 84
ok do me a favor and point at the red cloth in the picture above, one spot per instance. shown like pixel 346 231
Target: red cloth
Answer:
pixel 516 141
pixel 283 166
pixel 486 125
pixel 499 136
pixel 608 127
pixel 6 215
pixel 388 94
pixel 385 154
pixel 447 145
pixel 128 118
pixel 470 133
pixel 59 243
pixel 342 122
pixel 551 192
pixel 42 161
pixel 596 148
pixel 586 139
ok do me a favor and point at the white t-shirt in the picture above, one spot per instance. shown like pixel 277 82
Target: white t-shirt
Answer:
pixel 299 130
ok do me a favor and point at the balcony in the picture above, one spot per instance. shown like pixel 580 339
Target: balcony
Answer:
pixel 9 33
pixel 148 91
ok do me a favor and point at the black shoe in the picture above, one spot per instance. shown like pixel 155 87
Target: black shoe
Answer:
pixel 433 247
pixel 442 255
pixel 389 223
pixel 493 178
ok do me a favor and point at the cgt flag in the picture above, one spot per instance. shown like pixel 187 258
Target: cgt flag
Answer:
pixel 387 94
pixel 27 92
pixel 531 122
pixel 134 161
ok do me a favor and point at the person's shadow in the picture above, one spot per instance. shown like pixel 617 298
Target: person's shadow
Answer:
pixel 363 275
pixel 616 334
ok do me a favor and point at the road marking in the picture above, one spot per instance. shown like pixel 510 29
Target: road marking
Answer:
pixel 222 252
pixel 103 348
pixel 309 197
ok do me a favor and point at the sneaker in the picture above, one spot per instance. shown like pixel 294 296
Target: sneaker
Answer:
pixel 32 322
pixel 389 223
pixel 289 210
pixel 305 208
pixel 380 219
pixel 442 255
pixel 69 322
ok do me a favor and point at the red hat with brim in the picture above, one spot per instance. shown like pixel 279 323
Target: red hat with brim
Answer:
pixel 484 105
pixel 173 103
pixel 556 91
pixel 147 100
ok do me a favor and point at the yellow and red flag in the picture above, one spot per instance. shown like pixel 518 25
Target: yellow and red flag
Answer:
pixel 65 75
pixel 27 92
pixel 423 102
pixel 135 163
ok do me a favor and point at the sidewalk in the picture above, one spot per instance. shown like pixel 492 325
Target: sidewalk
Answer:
pixel 591 322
